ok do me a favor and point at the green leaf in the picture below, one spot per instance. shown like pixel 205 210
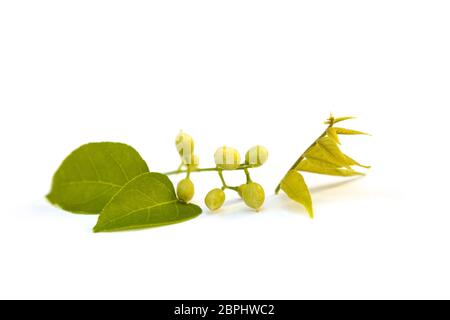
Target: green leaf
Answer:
pixel 333 120
pixel 295 187
pixel 348 131
pixel 321 167
pixel 327 150
pixel 92 174
pixel 147 201
pixel 352 162
pixel 323 157
pixel 340 119
pixel 333 135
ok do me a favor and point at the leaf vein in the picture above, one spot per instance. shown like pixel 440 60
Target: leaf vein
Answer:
pixel 125 175
pixel 89 182
pixel 138 210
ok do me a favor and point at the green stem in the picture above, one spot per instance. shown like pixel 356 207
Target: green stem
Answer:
pixel 188 175
pixel 224 184
pixel 277 190
pixel 180 171
pixel 247 175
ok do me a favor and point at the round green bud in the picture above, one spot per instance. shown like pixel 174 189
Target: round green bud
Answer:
pixel 227 158
pixel 185 147
pixel 256 156
pixel 253 195
pixel 185 190
pixel 214 199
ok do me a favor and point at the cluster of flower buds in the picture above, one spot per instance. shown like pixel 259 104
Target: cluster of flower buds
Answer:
pixel 252 193
pixel 226 159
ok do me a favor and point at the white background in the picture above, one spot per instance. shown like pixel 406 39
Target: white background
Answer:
pixel 236 73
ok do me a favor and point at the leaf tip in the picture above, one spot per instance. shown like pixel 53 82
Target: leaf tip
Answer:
pixel 310 211
pixel 48 197
pixel 52 200
pixel 99 227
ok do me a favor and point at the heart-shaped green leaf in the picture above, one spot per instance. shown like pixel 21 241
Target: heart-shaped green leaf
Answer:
pixel 147 201
pixel 92 174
